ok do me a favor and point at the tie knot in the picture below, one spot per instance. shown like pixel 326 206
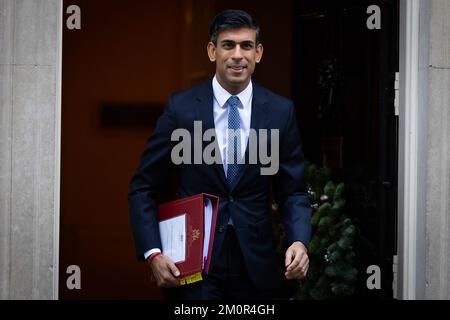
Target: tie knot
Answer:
pixel 233 101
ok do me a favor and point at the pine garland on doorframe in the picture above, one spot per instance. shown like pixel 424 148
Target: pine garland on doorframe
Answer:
pixel 332 273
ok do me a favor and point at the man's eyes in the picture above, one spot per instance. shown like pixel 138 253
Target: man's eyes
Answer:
pixel 230 45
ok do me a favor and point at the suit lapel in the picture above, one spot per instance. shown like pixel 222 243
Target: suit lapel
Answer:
pixel 205 114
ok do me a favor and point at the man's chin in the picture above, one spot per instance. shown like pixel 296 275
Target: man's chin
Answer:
pixel 238 81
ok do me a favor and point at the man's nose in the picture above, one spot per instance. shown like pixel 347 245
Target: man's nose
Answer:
pixel 237 53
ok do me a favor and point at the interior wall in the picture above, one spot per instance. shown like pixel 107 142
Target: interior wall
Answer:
pixel 125 55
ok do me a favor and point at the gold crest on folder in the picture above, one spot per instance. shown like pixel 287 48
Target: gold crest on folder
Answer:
pixel 195 234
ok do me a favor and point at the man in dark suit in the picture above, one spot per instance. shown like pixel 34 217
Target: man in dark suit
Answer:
pixel 244 263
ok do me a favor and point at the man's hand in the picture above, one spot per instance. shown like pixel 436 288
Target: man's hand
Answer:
pixel 164 271
pixel 297 261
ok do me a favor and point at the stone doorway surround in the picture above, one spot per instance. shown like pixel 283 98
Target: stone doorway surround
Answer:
pixel 30 144
pixel 30 124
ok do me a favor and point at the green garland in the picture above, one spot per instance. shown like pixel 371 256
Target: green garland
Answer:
pixel 332 273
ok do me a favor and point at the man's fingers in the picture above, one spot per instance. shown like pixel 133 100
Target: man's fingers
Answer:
pixel 170 281
pixel 298 256
pixel 292 274
pixel 299 273
pixel 288 258
pixel 304 262
pixel 165 272
pixel 167 280
pixel 298 268
pixel 304 271
pixel 295 252
pixel 303 266
pixel 173 269
pixel 294 264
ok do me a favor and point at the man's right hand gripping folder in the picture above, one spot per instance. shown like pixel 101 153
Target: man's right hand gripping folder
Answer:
pixel 187 228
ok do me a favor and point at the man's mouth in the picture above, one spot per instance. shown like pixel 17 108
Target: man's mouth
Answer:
pixel 237 68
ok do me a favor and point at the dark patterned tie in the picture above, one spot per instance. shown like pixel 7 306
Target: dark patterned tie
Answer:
pixel 234 140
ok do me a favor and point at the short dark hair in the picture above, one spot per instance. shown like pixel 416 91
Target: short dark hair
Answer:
pixel 233 19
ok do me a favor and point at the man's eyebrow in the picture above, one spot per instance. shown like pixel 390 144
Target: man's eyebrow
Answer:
pixel 234 42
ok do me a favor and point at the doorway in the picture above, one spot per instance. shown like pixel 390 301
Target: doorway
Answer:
pixel 118 72
pixel 343 84
pixel 119 69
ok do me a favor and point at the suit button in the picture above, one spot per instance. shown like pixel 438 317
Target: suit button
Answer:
pixel 221 229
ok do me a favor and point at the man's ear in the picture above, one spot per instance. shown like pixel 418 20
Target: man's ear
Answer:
pixel 211 48
pixel 259 52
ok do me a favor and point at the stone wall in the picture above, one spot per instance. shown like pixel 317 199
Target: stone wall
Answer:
pixel 437 284
pixel 30 41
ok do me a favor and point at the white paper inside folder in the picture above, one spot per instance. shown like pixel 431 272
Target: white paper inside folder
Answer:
pixel 173 237
pixel 208 220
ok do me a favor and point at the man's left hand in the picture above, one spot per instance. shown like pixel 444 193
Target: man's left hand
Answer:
pixel 297 261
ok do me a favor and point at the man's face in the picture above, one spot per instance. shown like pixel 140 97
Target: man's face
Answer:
pixel 235 54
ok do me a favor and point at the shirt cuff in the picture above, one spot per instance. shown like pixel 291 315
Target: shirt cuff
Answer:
pixel 150 252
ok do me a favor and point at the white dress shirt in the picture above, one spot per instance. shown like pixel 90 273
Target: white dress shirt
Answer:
pixel 220 110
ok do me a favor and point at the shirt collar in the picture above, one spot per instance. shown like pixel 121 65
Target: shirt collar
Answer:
pixel 221 95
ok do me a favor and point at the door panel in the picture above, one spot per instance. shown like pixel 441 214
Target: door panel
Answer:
pixel 344 89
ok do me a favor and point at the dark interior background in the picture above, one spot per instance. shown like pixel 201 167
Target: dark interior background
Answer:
pixel 343 85
pixel 128 57
pixel 118 72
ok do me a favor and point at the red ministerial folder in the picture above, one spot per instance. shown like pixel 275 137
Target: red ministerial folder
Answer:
pixel 187 233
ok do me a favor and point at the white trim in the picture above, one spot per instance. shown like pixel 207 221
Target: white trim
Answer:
pixel 58 108
pixel 408 148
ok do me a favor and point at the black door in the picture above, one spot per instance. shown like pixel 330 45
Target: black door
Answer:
pixel 343 86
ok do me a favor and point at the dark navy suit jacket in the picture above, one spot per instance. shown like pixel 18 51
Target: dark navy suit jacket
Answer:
pixel 247 201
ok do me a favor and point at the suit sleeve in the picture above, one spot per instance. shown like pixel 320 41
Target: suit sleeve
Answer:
pixel 149 183
pixel 290 191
